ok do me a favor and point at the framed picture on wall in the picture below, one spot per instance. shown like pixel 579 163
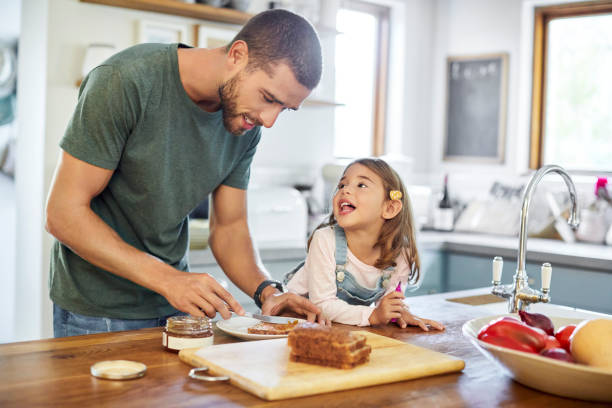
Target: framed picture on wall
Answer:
pixel 161 32
pixel 476 99
pixel 212 37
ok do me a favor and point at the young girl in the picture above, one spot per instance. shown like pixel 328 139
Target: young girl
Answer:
pixel 364 250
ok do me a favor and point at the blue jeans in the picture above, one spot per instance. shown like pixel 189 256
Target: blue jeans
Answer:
pixel 67 323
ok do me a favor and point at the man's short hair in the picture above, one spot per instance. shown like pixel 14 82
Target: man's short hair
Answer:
pixel 278 35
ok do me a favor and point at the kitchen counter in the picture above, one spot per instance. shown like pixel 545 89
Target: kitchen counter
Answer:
pixel 559 253
pixel 55 372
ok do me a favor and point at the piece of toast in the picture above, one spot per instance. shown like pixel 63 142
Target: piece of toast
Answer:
pixel 272 328
pixel 328 346
pixel 336 354
pixel 330 363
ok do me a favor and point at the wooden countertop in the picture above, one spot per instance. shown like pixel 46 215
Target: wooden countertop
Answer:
pixel 55 372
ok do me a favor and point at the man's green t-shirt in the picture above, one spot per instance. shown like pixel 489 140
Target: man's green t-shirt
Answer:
pixel 134 117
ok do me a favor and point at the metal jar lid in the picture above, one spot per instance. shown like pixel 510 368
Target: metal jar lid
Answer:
pixel 118 369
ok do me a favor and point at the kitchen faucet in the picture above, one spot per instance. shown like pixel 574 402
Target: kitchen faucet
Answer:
pixel 519 294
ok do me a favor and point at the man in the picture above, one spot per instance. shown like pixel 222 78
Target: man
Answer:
pixel 156 129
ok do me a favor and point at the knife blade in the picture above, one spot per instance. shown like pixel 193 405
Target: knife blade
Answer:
pixel 268 319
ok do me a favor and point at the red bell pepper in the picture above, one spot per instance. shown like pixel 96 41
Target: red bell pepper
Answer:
pixel 551 343
pixel 507 342
pixel 563 335
pixel 533 337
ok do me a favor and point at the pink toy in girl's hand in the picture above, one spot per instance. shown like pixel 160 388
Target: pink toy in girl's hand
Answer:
pixel 397 289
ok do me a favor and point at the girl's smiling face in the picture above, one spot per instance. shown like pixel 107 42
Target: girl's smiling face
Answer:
pixel 359 202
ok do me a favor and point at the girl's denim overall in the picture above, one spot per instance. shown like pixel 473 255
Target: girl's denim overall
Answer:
pixel 348 289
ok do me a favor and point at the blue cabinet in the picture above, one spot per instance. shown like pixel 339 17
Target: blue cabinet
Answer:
pixel 446 271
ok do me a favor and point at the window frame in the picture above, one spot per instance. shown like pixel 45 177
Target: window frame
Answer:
pixel 542 16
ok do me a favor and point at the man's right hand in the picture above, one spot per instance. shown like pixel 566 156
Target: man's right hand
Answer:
pixel 199 294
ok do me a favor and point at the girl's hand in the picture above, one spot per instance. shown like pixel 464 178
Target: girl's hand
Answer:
pixel 408 319
pixel 389 307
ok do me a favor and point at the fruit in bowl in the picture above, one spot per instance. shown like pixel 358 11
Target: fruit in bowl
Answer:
pixel 511 333
pixel 531 335
pixel 591 343
pixel 538 320
pixel 563 335
pixel 548 369
pixel 558 354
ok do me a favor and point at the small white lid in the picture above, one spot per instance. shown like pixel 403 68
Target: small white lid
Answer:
pixel 118 369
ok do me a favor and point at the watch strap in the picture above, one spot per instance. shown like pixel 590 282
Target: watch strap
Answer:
pixel 262 286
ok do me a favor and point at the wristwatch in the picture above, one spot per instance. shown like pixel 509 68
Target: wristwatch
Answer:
pixel 262 286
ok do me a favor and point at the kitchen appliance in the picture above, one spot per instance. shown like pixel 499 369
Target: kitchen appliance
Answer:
pixel 263 367
pixel 277 216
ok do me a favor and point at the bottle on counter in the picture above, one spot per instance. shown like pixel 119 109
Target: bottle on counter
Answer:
pixel 444 216
pixel 593 219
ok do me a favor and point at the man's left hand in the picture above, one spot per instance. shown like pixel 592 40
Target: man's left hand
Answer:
pixel 276 303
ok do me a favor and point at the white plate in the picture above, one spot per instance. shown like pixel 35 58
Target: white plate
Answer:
pixel 543 373
pixel 238 327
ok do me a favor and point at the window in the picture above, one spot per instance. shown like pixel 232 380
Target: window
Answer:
pixel 361 63
pixel 571 121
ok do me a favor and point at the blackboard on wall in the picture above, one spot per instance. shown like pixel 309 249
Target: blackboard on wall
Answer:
pixel 476 108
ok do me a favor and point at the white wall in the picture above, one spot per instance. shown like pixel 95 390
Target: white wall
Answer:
pixel 420 25
pixel 469 27
pixel 10 19
pixel 29 171
pixel 10 12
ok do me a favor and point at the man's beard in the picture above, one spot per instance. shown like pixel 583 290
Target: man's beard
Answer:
pixel 227 97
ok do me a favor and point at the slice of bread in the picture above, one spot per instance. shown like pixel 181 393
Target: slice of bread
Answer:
pixel 272 328
pixel 328 346
pixel 329 363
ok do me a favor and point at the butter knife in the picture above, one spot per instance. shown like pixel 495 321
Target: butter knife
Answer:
pixel 266 318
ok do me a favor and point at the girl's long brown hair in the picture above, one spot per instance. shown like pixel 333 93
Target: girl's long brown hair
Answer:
pixel 397 236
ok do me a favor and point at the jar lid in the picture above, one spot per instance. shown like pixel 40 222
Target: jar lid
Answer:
pixel 188 324
pixel 118 369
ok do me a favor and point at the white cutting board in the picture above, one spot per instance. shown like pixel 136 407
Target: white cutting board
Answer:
pixel 263 367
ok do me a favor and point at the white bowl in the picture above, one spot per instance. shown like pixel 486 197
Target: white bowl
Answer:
pixel 542 373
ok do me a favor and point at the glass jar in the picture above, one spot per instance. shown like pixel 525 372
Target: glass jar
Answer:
pixel 183 332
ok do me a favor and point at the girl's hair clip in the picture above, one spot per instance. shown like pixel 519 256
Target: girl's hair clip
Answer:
pixel 395 194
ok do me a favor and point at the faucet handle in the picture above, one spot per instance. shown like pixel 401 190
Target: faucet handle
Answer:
pixel 498 264
pixel 546 274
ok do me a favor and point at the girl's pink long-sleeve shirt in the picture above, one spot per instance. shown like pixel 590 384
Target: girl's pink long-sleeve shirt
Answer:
pixel 317 278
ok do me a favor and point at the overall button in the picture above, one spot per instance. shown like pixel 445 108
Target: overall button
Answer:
pixel 340 276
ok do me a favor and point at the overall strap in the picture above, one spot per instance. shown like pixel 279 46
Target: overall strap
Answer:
pixel 385 278
pixel 341 246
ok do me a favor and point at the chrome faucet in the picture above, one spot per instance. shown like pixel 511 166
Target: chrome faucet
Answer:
pixel 519 294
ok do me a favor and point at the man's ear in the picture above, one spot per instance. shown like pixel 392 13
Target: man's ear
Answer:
pixel 391 209
pixel 238 56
